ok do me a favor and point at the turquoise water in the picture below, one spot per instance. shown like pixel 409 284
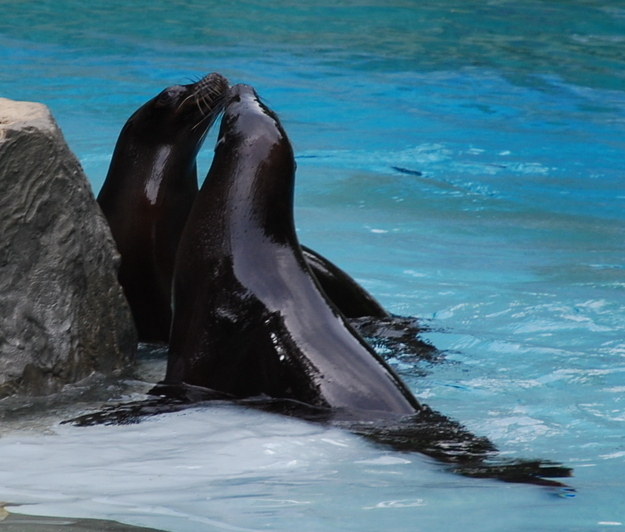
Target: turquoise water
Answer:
pixel 509 245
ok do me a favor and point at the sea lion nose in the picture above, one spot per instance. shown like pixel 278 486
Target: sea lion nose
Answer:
pixel 239 91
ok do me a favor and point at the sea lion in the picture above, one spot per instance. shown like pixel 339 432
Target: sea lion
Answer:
pixel 399 335
pixel 149 190
pixel 351 298
pixel 249 318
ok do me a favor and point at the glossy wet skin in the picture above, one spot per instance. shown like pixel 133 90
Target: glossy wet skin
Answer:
pixel 248 317
pixel 149 191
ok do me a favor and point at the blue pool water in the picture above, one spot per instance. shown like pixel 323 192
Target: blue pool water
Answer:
pixel 509 246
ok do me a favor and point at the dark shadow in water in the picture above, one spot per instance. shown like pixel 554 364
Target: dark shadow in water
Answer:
pixel 427 432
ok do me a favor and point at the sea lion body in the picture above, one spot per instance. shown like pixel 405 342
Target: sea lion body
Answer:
pixel 249 318
pixel 149 190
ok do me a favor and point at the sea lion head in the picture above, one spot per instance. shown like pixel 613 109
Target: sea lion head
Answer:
pixel 179 111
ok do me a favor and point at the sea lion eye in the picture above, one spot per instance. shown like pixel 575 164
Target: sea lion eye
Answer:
pixel 167 96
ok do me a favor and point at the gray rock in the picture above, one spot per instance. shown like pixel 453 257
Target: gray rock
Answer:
pixel 63 315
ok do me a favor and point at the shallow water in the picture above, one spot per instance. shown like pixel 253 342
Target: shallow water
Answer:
pixel 509 245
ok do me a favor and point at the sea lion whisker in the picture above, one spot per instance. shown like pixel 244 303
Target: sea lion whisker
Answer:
pixel 205 116
pixel 184 101
pixel 198 102
pixel 214 100
pixel 218 104
pixel 204 105
pixel 203 96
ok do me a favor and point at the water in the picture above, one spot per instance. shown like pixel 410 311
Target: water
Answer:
pixel 509 246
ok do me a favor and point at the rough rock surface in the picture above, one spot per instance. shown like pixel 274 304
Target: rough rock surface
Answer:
pixel 63 314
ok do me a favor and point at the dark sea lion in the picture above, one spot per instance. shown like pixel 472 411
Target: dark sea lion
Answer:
pixel 398 335
pixel 149 190
pixel 249 318
pixel 148 256
pixel 351 298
